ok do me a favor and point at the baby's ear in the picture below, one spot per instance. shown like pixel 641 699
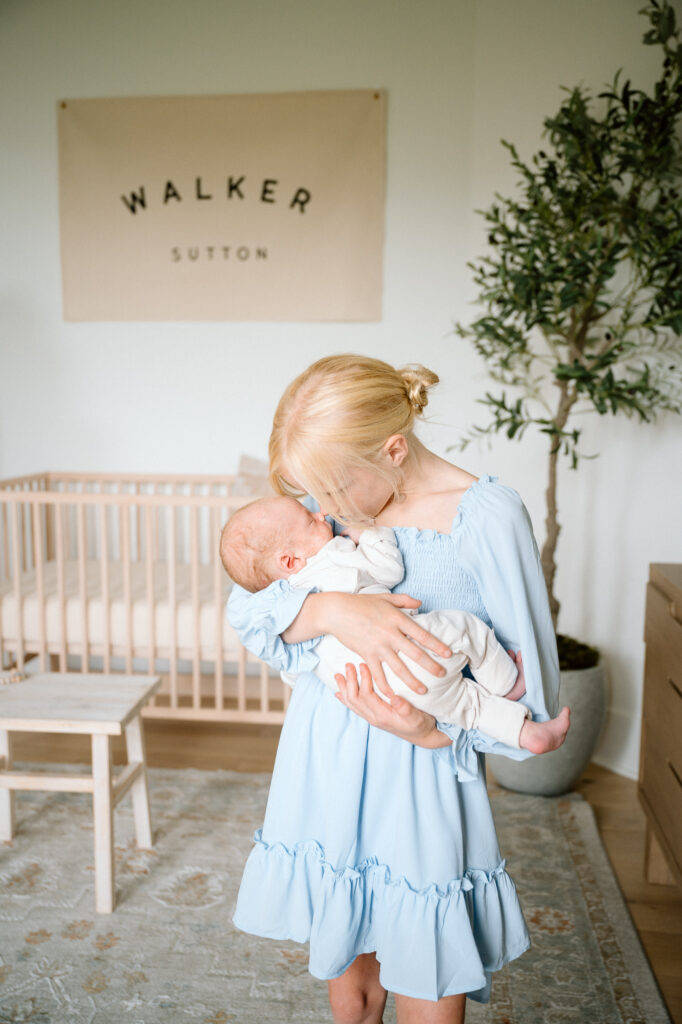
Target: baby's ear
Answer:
pixel 286 562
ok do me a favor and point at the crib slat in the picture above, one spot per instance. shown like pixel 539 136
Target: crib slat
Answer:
pixel 40 582
pixel 24 509
pixel 138 524
pixel 151 606
pixel 219 611
pixel 194 572
pixel 104 583
pixel 172 625
pixel 17 567
pixel 61 597
pixel 49 529
pixel 127 603
pixel 83 583
pixel 155 527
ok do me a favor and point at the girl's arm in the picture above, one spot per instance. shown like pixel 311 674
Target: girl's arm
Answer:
pixel 496 545
pixel 281 625
pixel 259 619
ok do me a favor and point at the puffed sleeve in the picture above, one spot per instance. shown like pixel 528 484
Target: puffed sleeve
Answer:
pixel 260 618
pixel 496 546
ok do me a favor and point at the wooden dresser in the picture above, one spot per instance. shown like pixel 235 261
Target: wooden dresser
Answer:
pixel 660 762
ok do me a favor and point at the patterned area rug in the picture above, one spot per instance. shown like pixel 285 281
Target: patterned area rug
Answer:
pixel 170 954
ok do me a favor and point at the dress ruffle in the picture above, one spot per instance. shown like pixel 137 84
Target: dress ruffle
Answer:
pixel 430 942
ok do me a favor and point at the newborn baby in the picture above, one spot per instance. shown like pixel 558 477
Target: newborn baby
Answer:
pixel 279 538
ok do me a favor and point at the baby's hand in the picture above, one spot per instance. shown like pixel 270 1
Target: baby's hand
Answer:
pixel 353 532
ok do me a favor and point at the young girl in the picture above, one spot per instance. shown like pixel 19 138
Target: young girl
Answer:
pixel 378 845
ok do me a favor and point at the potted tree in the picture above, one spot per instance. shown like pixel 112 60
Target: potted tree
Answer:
pixel 582 297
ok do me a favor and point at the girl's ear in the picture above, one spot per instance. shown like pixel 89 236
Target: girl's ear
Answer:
pixel 396 449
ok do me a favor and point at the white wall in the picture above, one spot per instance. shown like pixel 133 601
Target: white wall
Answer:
pixel 191 397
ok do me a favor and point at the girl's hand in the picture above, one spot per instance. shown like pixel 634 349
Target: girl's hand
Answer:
pixel 400 717
pixel 519 687
pixel 373 626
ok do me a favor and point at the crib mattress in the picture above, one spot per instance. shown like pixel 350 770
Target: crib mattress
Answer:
pixel 118 629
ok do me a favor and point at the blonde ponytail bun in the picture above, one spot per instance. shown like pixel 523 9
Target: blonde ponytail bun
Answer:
pixel 417 381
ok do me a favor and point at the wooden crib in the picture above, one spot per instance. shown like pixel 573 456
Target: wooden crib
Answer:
pixel 121 573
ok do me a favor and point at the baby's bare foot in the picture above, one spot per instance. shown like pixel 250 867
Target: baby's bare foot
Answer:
pixel 541 737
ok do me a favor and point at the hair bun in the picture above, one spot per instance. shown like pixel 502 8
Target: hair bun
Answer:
pixel 417 380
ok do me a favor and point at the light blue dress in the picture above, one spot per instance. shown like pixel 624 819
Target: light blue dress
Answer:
pixel 370 843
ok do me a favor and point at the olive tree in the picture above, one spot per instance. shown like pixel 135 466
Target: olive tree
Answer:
pixel 581 288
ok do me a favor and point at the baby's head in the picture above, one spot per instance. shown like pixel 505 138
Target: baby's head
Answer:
pixel 270 539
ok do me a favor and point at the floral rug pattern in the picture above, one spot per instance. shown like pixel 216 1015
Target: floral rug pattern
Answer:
pixel 169 954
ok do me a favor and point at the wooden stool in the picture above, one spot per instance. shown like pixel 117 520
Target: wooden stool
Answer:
pixel 103 706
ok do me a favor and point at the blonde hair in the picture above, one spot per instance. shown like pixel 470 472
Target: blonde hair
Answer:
pixel 248 544
pixel 336 417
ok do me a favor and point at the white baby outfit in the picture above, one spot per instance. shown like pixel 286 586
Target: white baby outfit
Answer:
pixel 374 566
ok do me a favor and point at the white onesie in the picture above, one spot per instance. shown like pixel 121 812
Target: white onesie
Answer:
pixel 374 566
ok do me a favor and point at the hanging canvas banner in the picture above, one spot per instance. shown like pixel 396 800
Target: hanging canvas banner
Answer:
pixel 254 207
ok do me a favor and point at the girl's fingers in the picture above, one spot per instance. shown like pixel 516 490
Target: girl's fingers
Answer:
pixel 376 672
pixel 416 654
pixel 368 682
pixel 401 706
pixel 368 703
pixel 384 687
pixel 365 687
pixel 341 683
pixel 351 682
pixel 377 677
pixel 361 698
pixel 402 600
pixel 403 672
pixel 428 640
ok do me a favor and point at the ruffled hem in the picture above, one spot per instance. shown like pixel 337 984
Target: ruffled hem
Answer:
pixel 430 942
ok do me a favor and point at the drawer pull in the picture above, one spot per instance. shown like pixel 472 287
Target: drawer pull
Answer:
pixel 675 687
pixel 671 766
pixel 672 608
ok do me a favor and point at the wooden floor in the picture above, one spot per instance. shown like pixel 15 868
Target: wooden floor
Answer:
pixel 655 909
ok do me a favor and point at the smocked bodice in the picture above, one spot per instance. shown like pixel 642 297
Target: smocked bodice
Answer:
pixel 434 573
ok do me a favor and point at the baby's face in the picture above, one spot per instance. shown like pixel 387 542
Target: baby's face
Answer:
pixel 306 532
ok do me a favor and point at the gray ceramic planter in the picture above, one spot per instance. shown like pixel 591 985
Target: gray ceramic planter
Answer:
pixel 584 690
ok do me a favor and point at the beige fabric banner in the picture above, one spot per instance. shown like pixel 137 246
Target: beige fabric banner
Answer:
pixel 254 207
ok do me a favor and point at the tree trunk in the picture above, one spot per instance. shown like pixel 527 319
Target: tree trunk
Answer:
pixel 553 528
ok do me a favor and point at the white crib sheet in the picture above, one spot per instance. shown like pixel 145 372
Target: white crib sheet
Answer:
pixel 185 629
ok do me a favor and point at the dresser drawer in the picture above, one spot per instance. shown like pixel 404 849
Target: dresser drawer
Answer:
pixel 662 710
pixel 663 628
pixel 661 784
